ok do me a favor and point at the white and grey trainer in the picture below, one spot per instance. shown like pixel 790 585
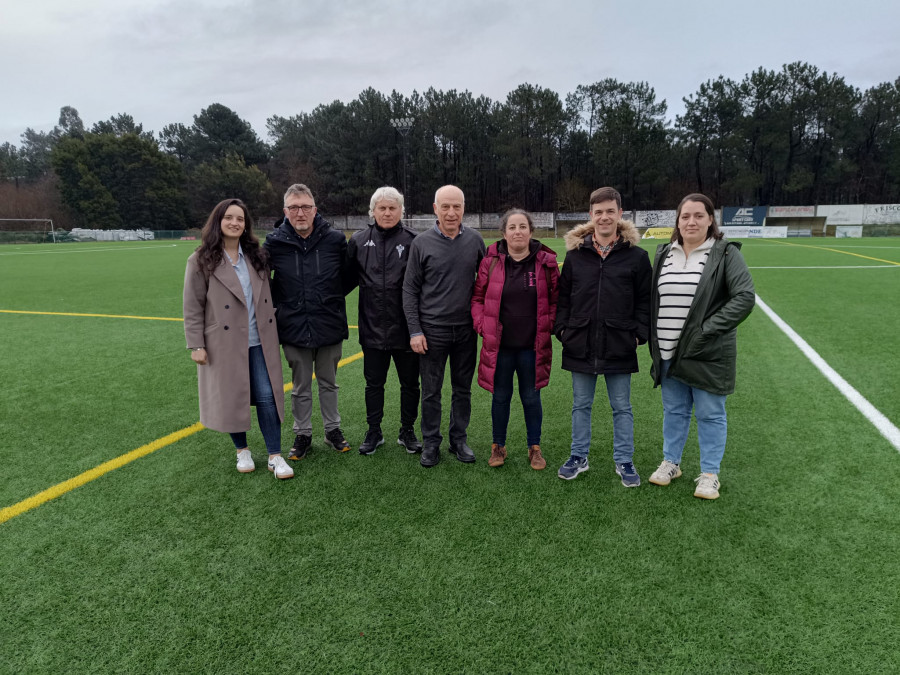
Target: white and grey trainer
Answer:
pixel 707 486
pixel 666 472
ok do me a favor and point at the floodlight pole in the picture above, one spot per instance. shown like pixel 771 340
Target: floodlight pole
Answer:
pixel 403 125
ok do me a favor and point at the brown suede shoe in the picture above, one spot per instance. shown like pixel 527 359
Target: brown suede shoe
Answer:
pixel 537 460
pixel 498 455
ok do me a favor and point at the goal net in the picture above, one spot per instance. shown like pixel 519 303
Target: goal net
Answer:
pixel 27 230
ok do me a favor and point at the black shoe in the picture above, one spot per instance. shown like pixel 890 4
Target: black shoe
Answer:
pixel 335 438
pixel 463 453
pixel 430 456
pixel 372 441
pixel 409 441
pixel 300 447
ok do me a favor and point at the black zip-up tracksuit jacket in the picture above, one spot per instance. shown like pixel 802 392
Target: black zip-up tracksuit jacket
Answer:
pixel 376 261
pixel 308 284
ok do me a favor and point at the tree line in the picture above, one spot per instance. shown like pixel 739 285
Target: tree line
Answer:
pixel 796 136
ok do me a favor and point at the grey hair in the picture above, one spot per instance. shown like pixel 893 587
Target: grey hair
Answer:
pixel 299 189
pixel 515 212
pixel 386 193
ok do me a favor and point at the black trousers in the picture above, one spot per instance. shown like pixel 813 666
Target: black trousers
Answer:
pixel 458 344
pixel 376 363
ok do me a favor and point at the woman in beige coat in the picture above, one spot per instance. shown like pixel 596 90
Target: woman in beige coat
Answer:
pixel 229 324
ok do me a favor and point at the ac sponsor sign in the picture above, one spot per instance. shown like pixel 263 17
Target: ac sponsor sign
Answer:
pixel 841 214
pixel 655 219
pixel 792 211
pixel 881 214
pixel 743 215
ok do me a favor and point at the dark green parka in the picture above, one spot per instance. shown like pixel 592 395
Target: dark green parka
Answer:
pixel 706 355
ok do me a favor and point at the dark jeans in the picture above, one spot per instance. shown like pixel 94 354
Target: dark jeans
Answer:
pixel 263 398
pixel 521 362
pixel 375 369
pixel 458 343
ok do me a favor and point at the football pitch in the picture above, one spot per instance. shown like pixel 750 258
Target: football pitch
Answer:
pixel 129 543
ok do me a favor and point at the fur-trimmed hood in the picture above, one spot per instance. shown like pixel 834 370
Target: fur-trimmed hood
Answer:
pixel 624 228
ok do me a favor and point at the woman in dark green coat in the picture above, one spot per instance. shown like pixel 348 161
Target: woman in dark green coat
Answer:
pixel 701 291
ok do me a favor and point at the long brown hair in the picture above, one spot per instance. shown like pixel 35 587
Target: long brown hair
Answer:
pixel 713 232
pixel 212 249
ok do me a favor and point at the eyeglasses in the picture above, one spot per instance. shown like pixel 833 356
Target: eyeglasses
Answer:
pixel 306 208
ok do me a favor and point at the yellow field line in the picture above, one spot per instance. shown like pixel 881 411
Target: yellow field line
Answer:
pixel 117 463
pixel 102 316
pixel 836 250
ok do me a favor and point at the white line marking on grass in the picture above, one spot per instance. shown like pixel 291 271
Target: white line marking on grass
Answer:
pixel 828 267
pixel 89 250
pixel 885 427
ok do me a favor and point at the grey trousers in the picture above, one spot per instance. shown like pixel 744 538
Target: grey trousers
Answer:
pixel 324 360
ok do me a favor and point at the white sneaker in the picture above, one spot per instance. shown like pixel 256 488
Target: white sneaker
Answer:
pixel 280 468
pixel 665 473
pixel 707 486
pixel 245 461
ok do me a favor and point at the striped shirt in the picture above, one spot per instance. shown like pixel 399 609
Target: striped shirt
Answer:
pixel 676 287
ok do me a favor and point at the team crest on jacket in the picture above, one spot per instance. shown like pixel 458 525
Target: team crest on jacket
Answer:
pixel 400 248
pixel 369 243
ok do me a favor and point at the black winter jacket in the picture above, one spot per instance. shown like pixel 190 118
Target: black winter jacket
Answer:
pixel 604 304
pixel 308 284
pixel 376 261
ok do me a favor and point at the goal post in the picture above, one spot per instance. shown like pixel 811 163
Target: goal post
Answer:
pixel 42 225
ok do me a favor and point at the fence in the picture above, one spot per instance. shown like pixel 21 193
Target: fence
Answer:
pixel 546 225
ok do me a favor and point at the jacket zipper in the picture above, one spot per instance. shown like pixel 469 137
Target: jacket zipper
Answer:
pixel 597 311
pixel 381 317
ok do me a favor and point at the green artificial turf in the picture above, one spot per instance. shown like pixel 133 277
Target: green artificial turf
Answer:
pixel 177 563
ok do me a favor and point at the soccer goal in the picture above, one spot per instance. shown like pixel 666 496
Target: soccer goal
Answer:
pixel 27 230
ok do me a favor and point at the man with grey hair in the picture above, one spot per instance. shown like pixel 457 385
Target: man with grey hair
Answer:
pixel 376 260
pixel 437 296
pixel 308 260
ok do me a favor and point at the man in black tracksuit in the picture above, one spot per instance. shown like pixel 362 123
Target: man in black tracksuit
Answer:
pixel 308 260
pixel 376 261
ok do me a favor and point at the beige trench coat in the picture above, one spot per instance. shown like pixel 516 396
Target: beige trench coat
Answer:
pixel 215 317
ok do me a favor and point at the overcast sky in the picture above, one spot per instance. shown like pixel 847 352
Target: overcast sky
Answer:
pixel 162 61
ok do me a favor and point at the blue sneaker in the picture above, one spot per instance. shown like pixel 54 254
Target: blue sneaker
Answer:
pixel 573 466
pixel 629 474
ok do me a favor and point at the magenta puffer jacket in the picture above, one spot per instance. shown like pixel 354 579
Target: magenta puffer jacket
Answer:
pixel 486 311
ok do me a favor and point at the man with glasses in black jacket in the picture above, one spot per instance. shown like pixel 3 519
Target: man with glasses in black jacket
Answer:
pixel 308 261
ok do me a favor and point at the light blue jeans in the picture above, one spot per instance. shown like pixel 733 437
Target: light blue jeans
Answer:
pixel 712 424
pixel 618 388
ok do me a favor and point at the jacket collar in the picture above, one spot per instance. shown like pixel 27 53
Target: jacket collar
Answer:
pixel 226 275
pixel 390 232
pixel 288 235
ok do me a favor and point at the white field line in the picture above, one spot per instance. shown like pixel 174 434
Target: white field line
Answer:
pixel 829 267
pixel 885 427
pixel 87 250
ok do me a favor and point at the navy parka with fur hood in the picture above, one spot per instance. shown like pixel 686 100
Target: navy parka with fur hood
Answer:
pixel 603 311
